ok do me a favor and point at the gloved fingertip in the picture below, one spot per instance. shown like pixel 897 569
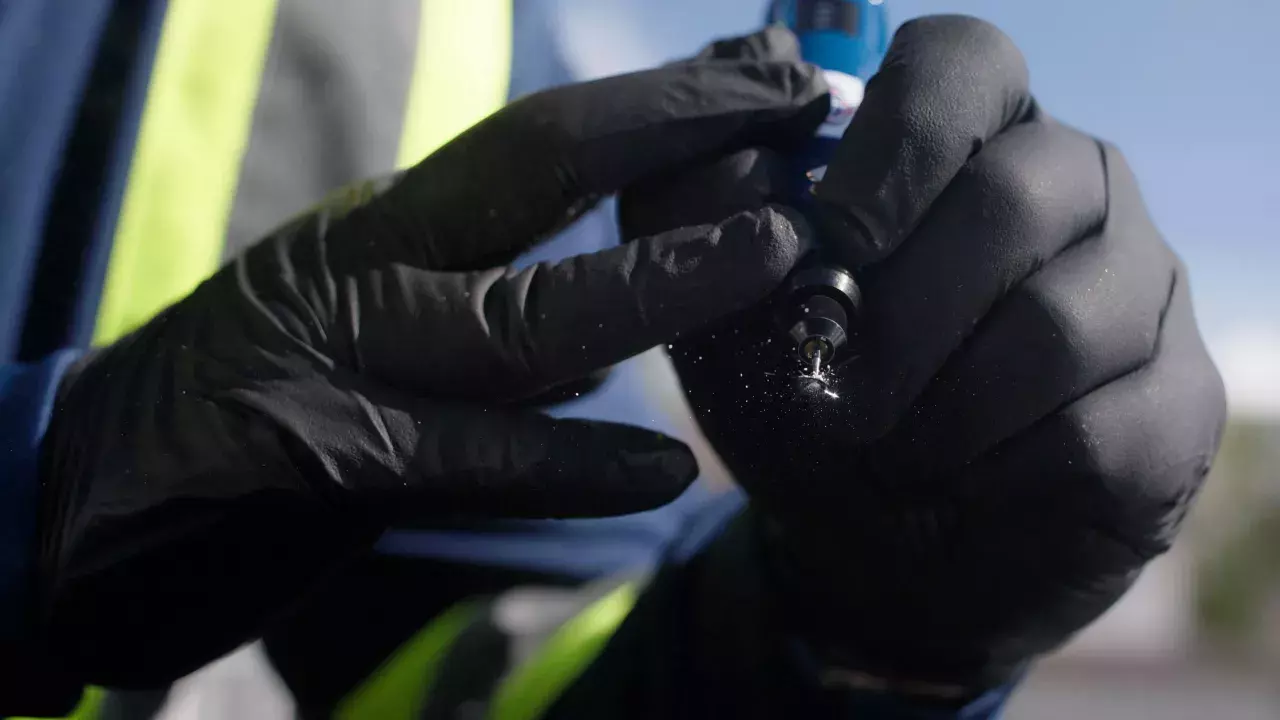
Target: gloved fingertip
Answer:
pixel 653 484
pixel 739 261
pixel 668 467
pixel 564 392
pixel 810 97
pixel 704 193
pixel 775 42
pixel 640 470
pixel 783 236
pixel 567 468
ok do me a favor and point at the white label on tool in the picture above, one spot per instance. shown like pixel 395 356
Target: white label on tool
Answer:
pixel 846 96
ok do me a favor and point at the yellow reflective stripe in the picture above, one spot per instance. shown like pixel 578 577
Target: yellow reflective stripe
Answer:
pixel 399 688
pixel 89 708
pixel 194 128
pixel 183 173
pixel 531 688
pixel 461 74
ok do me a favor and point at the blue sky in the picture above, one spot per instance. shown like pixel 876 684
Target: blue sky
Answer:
pixel 1189 90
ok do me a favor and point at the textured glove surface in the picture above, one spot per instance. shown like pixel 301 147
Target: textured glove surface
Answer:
pixel 362 365
pixel 1026 407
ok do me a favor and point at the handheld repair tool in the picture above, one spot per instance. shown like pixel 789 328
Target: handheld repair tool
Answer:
pixel 821 300
pixel 847 39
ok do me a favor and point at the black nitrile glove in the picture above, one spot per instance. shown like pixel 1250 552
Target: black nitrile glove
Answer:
pixel 359 367
pixel 1026 408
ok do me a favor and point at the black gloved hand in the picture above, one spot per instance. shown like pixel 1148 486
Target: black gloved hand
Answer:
pixel 352 369
pixel 1026 409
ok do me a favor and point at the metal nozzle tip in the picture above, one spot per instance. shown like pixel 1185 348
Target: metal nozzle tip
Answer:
pixel 816 347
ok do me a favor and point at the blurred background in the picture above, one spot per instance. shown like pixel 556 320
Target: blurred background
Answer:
pixel 1181 87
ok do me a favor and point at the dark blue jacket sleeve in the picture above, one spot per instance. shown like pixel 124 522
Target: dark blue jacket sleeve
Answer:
pixel 31 682
pixel 47 51
pixel 26 400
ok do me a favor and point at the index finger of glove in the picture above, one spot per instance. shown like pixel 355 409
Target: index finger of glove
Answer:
pixel 775 42
pixel 503 335
pixel 948 85
pixel 538 164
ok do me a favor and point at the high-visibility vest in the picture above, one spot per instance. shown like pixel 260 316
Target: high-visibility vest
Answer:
pixel 203 183
pixel 409 682
pixel 212 98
